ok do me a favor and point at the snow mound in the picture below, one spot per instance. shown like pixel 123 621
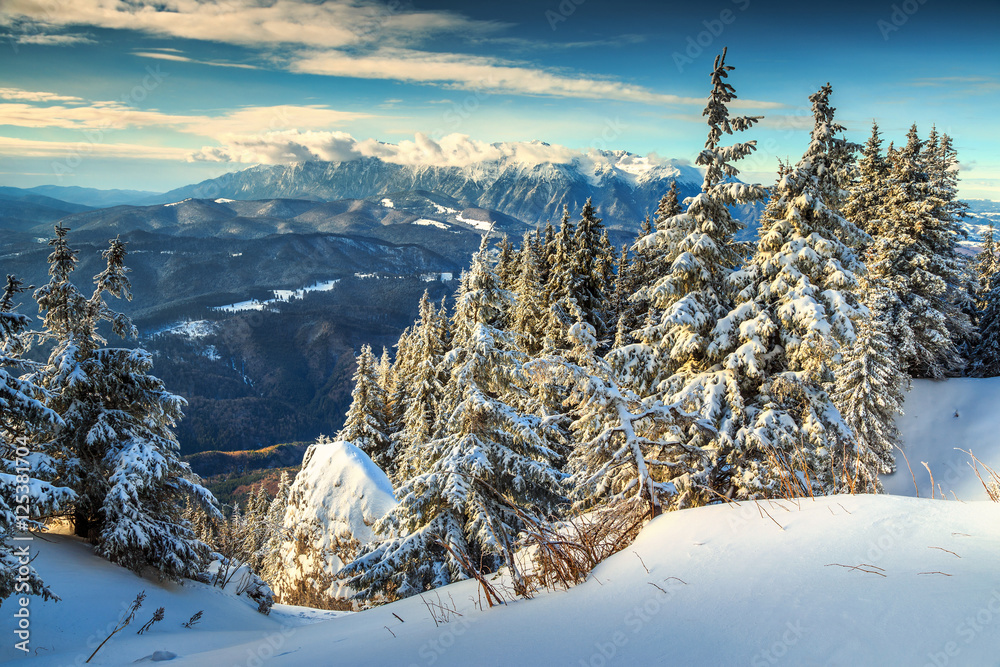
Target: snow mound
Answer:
pixel 941 418
pixel 333 502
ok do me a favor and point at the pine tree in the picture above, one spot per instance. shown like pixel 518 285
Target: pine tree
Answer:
pixel 629 448
pixel 119 451
pixel 670 206
pixel 272 564
pixel 869 394
pixel 26 465
pixel 795 308
pixel 590 275
pixel 528 317
pixel 365 426
pixel 986 265
pixel 698 252
pixel 486 457
pixel 916 256
pixel 865 205
pixel 426 385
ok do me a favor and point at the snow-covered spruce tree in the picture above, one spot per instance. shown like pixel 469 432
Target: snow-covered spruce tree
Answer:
pixel 365 425
pixel 117 446
pixel 590 274
pixel 916 256
pixel 272 562
pixel 986 265
pixel 793 312
pixel 485 458
pixel 985 360
pixel 528 317
pixel 26 467
pixel 698 252
pixel 866 201
pixel 869 392
pixel 628 448
pixel 427 347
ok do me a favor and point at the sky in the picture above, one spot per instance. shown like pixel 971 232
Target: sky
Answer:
pixel 155 94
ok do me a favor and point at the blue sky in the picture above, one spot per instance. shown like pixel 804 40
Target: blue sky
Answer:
pixel 154 95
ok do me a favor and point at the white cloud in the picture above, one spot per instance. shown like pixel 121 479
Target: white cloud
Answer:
pixel 35 96
pixel 454 150
pixel 13 147
pixel 488 75
pixel 115 115
pixel 347 38
pixel 333 23
pixel 174 56
pixel 49 39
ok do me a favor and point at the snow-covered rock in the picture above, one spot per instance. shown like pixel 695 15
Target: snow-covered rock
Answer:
pixel 334 500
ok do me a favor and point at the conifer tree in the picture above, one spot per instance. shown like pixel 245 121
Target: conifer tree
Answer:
pixel 590 274
pixel 869 394
pixel 426 381
pixel 670 205
pixel 867 199
pixel 27 468
pixel 486 456
pixel 986 265
pixel 118 449
pixel 985 360
pixel 272 564
pixel 697 250
pixel 916 254
pixel 628 448
pixel 528 317
pixel 365 426
pixel 794 310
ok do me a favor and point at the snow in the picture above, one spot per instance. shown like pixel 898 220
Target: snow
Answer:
pixel 94 593
pixel 336 497
pixel 387 203
pixel 484 225
pixel 280 296
pixel 223 200
pixel 443 210
pixel 745 583
pixel 177 203
pixel 931 432
pixel 841 580
pixel 428 222
pixel 192 329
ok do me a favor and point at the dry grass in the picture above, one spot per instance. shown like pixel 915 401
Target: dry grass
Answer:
pixel 992 481
pixel 560 555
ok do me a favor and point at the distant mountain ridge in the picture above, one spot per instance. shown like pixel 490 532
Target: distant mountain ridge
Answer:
pixel 624 187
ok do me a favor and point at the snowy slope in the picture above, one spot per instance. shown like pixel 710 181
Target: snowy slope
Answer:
pixel 736 589
pixel 94 593
pixel 931 432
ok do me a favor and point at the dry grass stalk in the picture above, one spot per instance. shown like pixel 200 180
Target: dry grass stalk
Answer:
pixel 992 486
pixel 562 554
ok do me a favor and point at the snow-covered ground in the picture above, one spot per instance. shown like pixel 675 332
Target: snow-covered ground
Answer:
pixel 942 418
pixel 843 580
pixel 280 296
pixel 430 223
